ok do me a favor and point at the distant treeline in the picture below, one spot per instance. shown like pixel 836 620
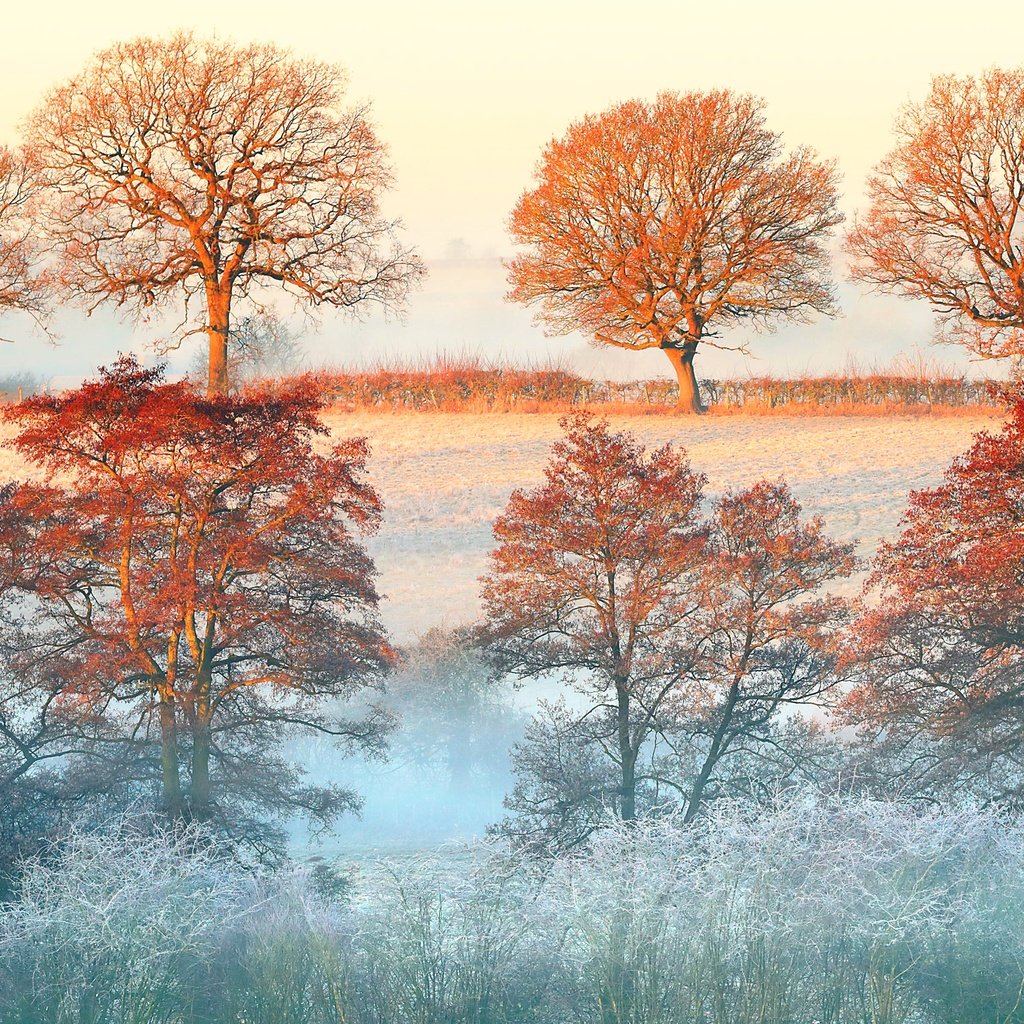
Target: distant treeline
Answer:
pixel 476 387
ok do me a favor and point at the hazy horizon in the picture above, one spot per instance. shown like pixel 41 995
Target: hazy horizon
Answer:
pixel 466 97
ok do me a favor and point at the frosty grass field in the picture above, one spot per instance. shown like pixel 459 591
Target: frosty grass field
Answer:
pixel 444 478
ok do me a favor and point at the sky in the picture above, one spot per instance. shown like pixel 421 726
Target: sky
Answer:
pixel 466 95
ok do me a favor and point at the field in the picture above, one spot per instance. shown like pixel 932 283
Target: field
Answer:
pixel 444 478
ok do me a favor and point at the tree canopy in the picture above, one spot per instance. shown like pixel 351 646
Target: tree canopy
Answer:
pixel 22 285
pixel 194 566
pixel 943 649
pixel 944 222
pixel 686 636
pixel 659 225
pixel 197 169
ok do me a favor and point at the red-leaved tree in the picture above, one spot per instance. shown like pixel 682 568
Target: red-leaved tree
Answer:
pixel 771 628
pixel 944 644
pixel 196 563
pixel 592 578
pixel 686 637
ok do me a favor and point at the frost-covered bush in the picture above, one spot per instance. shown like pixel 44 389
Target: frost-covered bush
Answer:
pixel 118 927
pixel 852 913
pixel 290 962
pixel 451 937
pixel 855 913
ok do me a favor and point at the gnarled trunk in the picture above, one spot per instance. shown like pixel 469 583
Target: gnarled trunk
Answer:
pixel 682 362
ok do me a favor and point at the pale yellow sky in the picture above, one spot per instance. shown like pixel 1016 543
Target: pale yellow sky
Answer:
pixel 466 95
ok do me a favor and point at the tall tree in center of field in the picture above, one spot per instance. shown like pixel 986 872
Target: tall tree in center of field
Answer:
pixel 202 170
pixel 658 225
pixel 196 563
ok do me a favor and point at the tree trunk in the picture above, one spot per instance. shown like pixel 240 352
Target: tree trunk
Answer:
pixel 169 757
pixel 200 792
pixel 459 763
pixel 616 997
pixel 627 756
pixel 714 755
pixel 682 362
pixel 218 311
pixel 202 739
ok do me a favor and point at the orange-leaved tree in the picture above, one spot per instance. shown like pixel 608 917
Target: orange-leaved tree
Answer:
pixel 657 225
pixel 945 221
pixel 943 648
pixel 201 169
pixel 686 637
pixel 196 562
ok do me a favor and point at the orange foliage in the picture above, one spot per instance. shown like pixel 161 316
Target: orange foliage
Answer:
pixel 945 220
pixel 655 225
pixel 21 286
pixel 202 169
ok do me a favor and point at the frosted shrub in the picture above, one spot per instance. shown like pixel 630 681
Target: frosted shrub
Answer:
pixel 854 913
pixel 858 913
pixel 620 908
pixel 291 960
pixel 447 938
pixel 118 928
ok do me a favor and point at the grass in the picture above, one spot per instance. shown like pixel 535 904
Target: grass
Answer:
pixel 463 383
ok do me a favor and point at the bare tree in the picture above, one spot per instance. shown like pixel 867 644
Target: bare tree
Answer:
pixel 185 167
pixel 654 225
pixel 944 224
pixel 22 286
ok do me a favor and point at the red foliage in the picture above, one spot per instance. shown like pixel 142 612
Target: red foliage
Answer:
pixel 945 645
pixel 675 626
pixel 593 575
pixel 608 543
pixel 195 558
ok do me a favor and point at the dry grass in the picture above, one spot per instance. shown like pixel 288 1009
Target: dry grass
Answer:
pixel 912 385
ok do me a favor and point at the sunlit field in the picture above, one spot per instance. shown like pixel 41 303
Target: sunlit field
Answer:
pixel 444 479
